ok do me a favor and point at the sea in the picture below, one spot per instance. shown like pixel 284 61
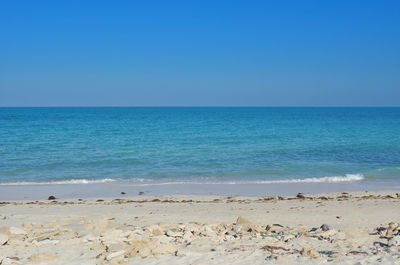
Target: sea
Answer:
pixel 155 146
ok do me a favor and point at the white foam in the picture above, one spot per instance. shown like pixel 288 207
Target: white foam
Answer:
pixel 70 181
pixel 332 179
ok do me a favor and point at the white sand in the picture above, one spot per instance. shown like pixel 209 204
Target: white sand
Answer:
pixel 202 230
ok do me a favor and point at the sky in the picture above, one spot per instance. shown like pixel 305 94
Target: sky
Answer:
pixel 199 53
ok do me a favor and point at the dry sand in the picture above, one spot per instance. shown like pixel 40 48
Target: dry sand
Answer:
pixel 334 228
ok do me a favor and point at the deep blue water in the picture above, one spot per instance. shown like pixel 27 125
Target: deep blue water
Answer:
pixel 199 144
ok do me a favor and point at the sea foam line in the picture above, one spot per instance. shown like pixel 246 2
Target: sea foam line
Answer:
pixel 70 181
pixel 332 179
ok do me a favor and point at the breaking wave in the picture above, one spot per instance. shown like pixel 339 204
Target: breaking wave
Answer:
pixel 144 182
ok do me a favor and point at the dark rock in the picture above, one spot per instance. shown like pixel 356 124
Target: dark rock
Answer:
pixel 325 227
pixel 141 192
pixel 52 198
pixel 301 196
pixel 123 193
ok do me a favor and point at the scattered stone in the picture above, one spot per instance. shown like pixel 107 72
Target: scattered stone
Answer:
pixel 300 196
pixel 155 230
pixel 51 198
pixel 325 227
pixel 123 193
pixel 45 242
pixel 171 233
pixel 42 257
pixel 140 193
pixel 305 252
pixel 115 254
pixel 3 239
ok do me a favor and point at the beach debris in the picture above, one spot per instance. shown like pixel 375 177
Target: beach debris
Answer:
pixel 3 239
pixel 42 257
pixel 140 193
pixel 391 230
pixel 306 252
pixel 354 252
pixel 326 252
pixel 273 248
pixel 325 227
pixel 51 198
pixel 123 193
pixel 115 254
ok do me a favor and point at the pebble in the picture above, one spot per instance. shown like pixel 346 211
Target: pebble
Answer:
pixel 171 233
pixel 155 230
pixel 325 227
pixel 115 254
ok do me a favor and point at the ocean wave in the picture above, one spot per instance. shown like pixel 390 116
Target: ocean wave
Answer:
pixel 70 181
pixel 332 179
pixel 139 181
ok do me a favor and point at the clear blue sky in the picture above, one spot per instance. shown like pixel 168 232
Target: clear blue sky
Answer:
pixel 180 53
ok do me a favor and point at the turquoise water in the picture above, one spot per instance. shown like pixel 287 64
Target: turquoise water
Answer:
pixel 206 145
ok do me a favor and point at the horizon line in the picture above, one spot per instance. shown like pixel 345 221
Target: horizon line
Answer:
pixel 204 106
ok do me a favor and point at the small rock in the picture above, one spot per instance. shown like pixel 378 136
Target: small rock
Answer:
pixel 123 193
pixel 51 198
pixel 300 195
pixel 325 227
pixel 115 254
pixel 140 193
pixel 309 253
pixel 187 235
pixel 241 220
pixel 155 230
pixel 8 261
pixel 207 231
pixel 3 239
pixel 280 258
pixel 171 233
pixel 42 257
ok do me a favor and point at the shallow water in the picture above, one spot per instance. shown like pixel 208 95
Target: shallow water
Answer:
pixel 199 145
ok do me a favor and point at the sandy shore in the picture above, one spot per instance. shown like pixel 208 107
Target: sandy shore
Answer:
pixel 334 228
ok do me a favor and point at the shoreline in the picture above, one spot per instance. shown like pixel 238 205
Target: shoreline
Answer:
pixel 338 227
pixel 115 188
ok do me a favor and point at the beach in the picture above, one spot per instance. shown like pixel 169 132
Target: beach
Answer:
pixel 335 228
